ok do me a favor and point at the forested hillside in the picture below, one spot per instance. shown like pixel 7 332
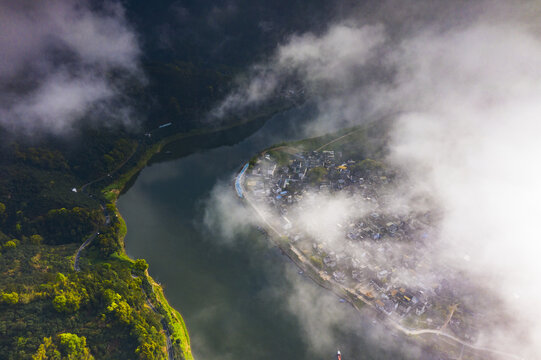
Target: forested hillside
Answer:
pixel 58 189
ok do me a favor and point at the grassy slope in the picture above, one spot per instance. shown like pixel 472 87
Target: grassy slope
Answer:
pixel 356 142
pixel 175 322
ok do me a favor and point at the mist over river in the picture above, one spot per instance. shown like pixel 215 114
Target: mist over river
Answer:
pixel 235 296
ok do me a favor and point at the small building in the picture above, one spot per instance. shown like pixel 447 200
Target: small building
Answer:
pixel 420 310
pixel 339 276
pixel 377 284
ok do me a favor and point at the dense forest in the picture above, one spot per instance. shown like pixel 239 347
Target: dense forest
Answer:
pixel 57 191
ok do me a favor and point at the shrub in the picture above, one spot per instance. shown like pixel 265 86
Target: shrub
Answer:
pixel 67 302
pixel 140 265
pixel 10 298
pixel 11 244
pixel 74 347
pixel 64 346
pixel 317 262
pixel 36 239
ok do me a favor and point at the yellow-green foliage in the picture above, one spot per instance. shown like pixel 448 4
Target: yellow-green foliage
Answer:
pixel 177 327
pixel 67 295
pixel 67 302
pixel 147 349
pixel 115 305
pixel 74 346
pixel 11 298
pixel 317 262
pixel 11 244
pixel 65 346
pixel 140 265
pixel 110 241
pixel 30 296
pixel 36 239
pixel 47 350
pixel 113 289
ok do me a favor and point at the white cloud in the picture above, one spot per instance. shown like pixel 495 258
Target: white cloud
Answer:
pixel 469 98
pixel 225 215
pixel 58 59
pixel 326 63
pixel 473 139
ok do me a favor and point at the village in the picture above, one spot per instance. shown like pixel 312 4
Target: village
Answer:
pixel 379 255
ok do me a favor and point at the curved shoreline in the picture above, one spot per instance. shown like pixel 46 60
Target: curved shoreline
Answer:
pixel 176 326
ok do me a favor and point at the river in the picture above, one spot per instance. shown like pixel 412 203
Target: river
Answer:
pixel 235 296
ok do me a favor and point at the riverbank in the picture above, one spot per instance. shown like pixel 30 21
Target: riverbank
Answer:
pixel 175 330
pixel 282 242
pixel 295 255
pixel 230 316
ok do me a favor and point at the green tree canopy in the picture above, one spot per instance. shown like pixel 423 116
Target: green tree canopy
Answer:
pixel 140 265
pixel 65 346
pixel 67 302
pixel 11 298
pixel 316 175
pixel 11 244
pixel 74 347
pixel 36 239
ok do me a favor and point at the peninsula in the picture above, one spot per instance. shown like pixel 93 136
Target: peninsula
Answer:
pixel 373 257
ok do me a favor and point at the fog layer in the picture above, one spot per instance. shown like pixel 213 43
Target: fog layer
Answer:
pixel 468 97
pixel 62 60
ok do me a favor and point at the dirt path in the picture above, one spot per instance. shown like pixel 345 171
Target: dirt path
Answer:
pixel 457 340
pixel 338 139
pixel 453 309
pixel 290 149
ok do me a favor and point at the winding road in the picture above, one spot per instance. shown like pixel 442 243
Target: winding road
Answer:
pixel 83 187
pixel 88 241
pixel 76 266
pixel 91 238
